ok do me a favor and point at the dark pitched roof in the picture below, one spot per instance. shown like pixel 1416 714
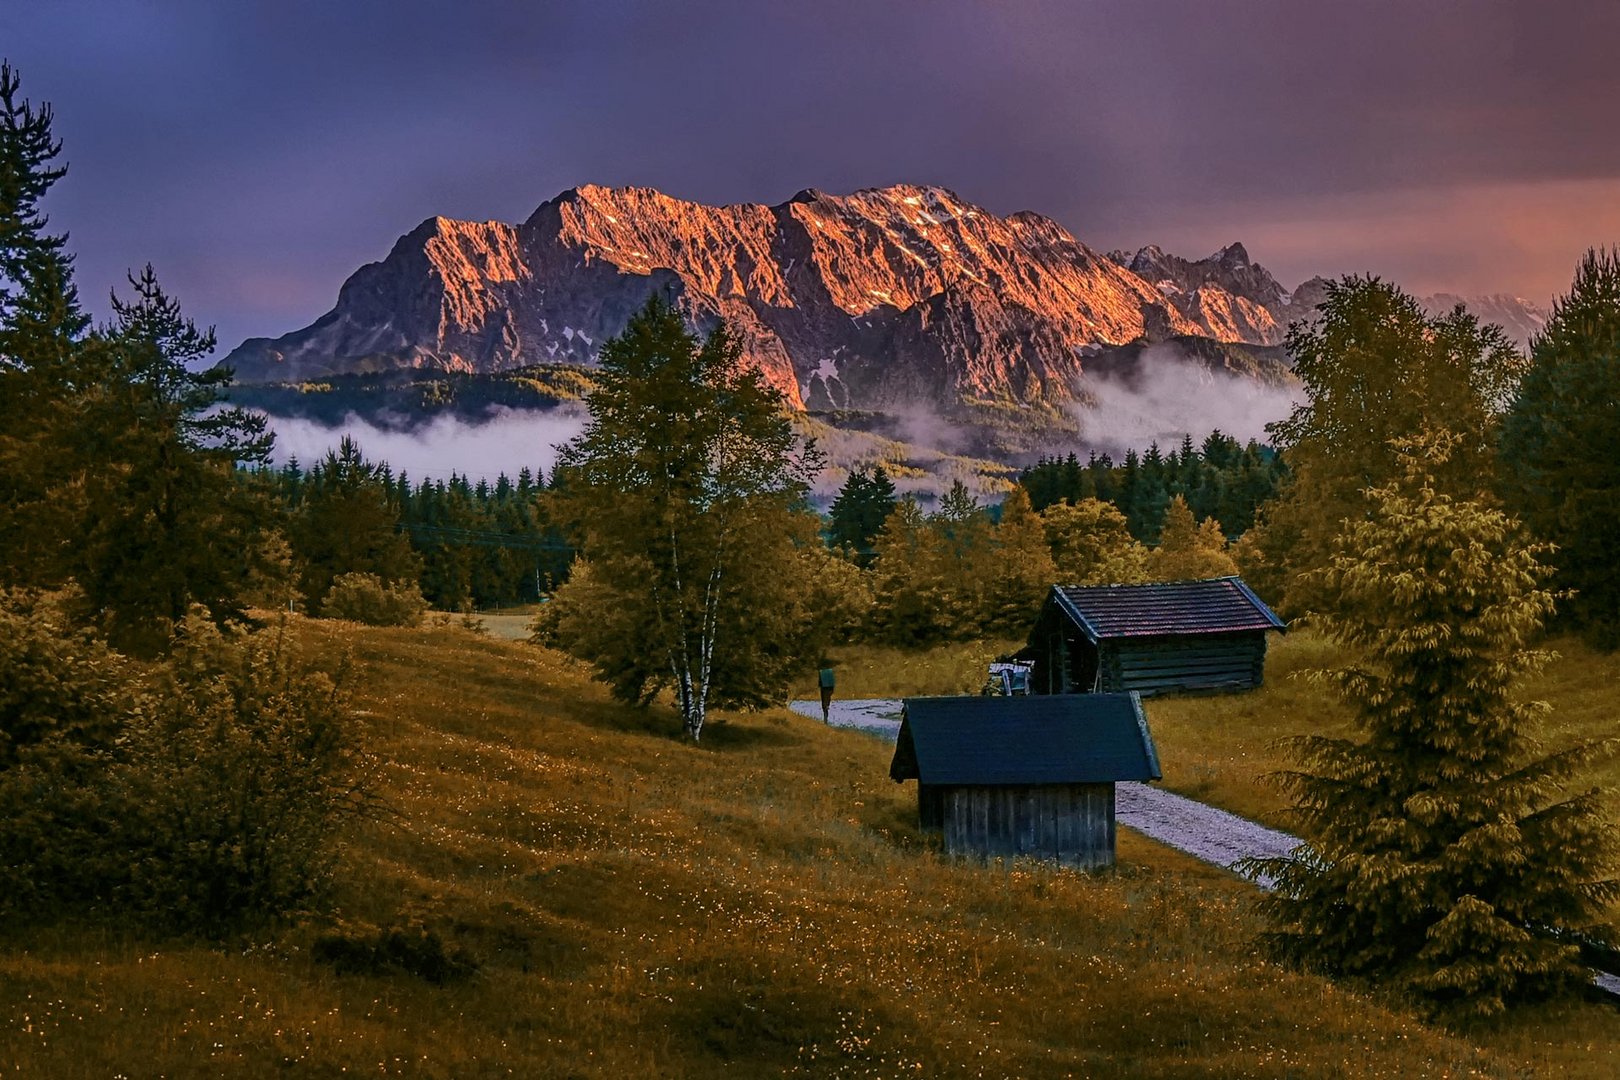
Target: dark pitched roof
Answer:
pixel 1212 606
pixel 1044 739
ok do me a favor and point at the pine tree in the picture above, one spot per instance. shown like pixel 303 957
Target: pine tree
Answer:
pixel 1187 550
pixel 1442 855
pixel 1377 369
pixel 1559 467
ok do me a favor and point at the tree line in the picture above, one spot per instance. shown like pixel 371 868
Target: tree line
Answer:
pixel 1221 479
pixel 464 544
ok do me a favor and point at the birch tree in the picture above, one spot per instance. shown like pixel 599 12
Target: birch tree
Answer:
pixel 686 481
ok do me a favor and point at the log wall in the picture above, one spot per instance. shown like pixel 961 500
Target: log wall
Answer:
pixel 1163 665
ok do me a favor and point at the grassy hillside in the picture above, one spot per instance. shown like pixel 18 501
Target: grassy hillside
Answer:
pixel 1219 747
pixel 560 888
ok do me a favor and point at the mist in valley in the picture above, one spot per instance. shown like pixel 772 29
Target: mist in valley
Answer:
pixel 505 442
pixel 1166 398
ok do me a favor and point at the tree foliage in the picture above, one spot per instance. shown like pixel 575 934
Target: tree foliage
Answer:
pixel 165 524
pixel 1091 544
pixel 1442 853
pixel 1187 549
pixel 201 794
pixel 683 491
pixel 345 522
pixel 1559 467
pixel 859 510
pixel 40 327
pixel 1376 370
pixel 115 456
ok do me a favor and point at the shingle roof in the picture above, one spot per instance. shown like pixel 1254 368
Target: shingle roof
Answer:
pixel 1213 606
pixel 1044 739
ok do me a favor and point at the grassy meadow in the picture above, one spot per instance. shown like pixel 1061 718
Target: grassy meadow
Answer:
pixel 1219 747
pixel 559 887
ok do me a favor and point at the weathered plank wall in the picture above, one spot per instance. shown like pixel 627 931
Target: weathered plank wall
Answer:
pixel 1163 665
pixel 1072 824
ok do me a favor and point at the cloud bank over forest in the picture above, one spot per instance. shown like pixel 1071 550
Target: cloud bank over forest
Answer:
pixel 509 440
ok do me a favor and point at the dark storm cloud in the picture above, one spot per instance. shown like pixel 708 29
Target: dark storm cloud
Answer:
pixel 258 154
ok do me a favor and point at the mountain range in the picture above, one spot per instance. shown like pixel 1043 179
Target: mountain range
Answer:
pixel 886 298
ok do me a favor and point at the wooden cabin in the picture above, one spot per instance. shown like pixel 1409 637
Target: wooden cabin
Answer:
pixel 1024 776
pixel 1154 639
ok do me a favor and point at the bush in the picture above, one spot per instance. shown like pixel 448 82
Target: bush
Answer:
pixel 235 787
pixel 366 598
pixel 413 948
pixel 205 795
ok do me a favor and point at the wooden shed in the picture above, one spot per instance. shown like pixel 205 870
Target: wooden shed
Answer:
pixel 1024 776
pixel 1154 639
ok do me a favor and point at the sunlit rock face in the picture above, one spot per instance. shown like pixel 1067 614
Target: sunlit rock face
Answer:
pixel 887 296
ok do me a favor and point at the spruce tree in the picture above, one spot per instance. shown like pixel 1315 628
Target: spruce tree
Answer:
pixel 41 326
pixel 1443 857
pixel 347 523
pixel 1188 550
pixel 1376 368
pixel 1559 467
pixel 861 507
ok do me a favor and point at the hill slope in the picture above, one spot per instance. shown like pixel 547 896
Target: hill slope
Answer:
pixel 756 906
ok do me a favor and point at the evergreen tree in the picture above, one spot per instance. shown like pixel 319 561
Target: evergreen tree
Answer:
pixel 1442 855
pixel 165 523
pixel 1189 551
pixel 1560 470
pixel 683 486
pixel 861 507
pixel 41 326
pixel 347 523
pixel 1376 369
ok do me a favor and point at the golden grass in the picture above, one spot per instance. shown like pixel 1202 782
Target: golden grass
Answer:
pixel 1220 747
pixel 887 671
pixel 759 905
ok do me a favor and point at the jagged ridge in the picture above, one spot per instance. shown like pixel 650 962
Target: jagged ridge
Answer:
pixel 888 296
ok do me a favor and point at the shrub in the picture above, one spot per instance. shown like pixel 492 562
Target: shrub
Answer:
pixel 200 795
pixel 413 948
pixel 236 785
pixel 366 598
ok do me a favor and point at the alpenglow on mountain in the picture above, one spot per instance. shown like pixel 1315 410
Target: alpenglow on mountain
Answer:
pixel 885 297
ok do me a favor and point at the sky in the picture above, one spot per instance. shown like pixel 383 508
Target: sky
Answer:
pixel 258 153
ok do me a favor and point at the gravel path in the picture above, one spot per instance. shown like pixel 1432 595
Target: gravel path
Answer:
pixel 1182 823
pixel 1200 830
pixel 876 716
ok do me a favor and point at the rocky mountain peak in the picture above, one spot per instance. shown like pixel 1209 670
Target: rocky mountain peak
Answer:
pixel 901 294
